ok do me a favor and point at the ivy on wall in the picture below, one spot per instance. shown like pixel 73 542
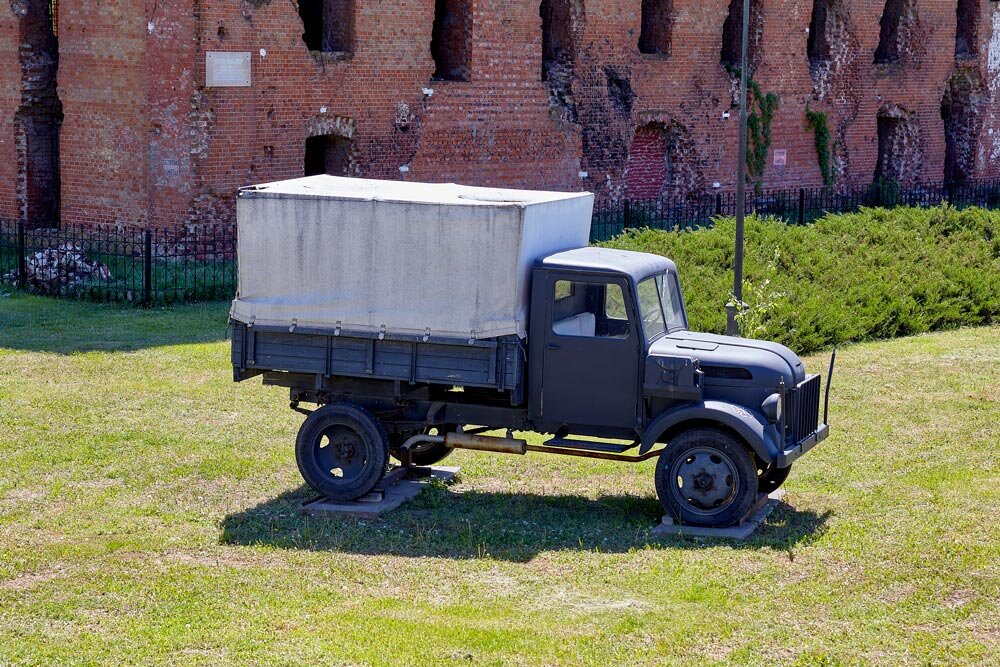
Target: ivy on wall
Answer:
pixel 820 125
pixel 760 114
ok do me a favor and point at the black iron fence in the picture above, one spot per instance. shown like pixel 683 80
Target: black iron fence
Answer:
pixel 158 266
pixel 120 263
pixel 800 206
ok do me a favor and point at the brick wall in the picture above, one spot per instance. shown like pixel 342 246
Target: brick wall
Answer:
pixel 105 134
pixel 146 142
pixel 647 163
pixel 10 100
pixel 175 118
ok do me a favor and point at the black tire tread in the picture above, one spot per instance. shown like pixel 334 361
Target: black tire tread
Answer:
pixel 741 457
pixel 772 479
pixel 324 485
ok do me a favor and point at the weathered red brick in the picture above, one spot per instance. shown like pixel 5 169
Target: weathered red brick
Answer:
pixel 146 142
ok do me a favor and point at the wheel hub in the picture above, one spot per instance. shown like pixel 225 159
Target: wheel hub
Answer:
pixel 345 451
pixel 340 453
pixel 704 480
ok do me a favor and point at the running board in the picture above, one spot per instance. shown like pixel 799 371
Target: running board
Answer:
pixel 589 446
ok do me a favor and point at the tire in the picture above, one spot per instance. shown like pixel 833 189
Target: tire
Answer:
pixel 720 473
pixel 425 454
pixel 772 478
pixel 342 451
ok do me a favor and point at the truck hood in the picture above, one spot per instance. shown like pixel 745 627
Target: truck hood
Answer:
pixel 765 361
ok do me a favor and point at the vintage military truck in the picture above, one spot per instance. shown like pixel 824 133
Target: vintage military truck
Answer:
pixel 420 317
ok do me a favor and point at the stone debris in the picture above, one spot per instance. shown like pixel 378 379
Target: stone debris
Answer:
pixel 60 270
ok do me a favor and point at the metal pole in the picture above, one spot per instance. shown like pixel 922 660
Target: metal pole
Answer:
pixel 741 177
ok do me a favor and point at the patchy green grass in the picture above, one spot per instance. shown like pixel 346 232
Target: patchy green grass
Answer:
pixel 148 515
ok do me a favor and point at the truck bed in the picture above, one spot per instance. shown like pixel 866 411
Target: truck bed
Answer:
pixel 491 363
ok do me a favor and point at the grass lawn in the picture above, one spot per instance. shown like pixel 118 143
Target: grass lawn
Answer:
pixel 148 516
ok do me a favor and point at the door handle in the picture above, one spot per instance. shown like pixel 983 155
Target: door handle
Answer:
pixel 551 346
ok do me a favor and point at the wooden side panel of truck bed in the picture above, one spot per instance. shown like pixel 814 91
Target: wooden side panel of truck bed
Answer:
pixel 493 363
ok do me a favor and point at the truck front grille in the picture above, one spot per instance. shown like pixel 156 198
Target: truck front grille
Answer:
pixel 802 409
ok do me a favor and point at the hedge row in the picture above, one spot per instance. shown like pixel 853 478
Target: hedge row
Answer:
pixel 878 273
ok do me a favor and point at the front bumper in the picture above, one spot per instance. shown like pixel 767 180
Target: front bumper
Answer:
pixel 786 457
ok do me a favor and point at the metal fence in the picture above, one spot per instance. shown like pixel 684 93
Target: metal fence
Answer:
pixel 801 206
pixel 158 266
pixel 119 263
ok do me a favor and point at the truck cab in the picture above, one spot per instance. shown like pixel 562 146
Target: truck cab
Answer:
pixel 595 313
pixel 609 335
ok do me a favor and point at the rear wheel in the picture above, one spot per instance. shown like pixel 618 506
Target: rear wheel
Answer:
pixel 425 453
pixel 705 477
pixel 341 451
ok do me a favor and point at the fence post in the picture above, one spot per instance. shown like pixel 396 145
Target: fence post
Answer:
pixel 626 214
pixel 718 203
pixel 802 206
pixel 147 267
pixel 21 279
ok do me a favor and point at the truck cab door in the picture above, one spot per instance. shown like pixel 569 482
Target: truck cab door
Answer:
pixel 590 352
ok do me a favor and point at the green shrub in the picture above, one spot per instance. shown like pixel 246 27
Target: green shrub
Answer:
pixel 874 274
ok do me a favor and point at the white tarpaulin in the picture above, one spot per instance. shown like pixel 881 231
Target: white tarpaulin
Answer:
pixel 410 257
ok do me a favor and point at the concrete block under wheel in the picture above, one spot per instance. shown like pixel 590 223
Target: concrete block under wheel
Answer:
pixel 745 528
pixel 398 486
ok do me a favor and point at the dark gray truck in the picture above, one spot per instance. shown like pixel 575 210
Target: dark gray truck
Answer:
pixel 607 367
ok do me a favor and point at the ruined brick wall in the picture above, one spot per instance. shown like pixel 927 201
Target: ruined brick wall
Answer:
pixel 987 149
pixel 565 113
pixel 911 84
pixel 38 119
pixel 10 100
pixel 176 118
pixel 146 141
pixel 494 128
pixel 105 134
pixel 31 137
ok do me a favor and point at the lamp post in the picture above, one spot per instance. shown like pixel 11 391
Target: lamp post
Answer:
pixel 732 329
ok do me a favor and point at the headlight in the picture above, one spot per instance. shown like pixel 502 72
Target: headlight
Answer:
pixel 771 407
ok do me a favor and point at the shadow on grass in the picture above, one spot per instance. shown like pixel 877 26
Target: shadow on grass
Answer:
pixel 63 326
pixel 505 526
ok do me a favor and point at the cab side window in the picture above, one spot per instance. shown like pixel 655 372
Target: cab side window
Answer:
pixel 592 310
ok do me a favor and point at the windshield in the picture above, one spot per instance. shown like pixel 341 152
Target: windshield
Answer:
pixel 660 305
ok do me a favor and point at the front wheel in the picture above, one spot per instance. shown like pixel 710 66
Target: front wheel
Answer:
pixel 341 451
pixel 706 477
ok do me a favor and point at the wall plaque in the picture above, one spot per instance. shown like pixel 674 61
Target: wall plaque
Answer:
pixel 227 69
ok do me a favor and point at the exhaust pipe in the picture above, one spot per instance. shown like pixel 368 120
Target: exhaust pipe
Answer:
pixel 484 443
pixel 480 443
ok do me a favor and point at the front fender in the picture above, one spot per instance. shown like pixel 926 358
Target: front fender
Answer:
pixel 750 425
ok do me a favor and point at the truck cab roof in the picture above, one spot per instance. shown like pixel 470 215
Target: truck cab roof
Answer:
pixel 636 265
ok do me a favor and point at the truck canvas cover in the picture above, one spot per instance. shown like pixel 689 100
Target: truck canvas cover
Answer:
pixel 402 258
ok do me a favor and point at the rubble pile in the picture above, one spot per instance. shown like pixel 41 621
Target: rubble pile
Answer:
pixel 59 270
